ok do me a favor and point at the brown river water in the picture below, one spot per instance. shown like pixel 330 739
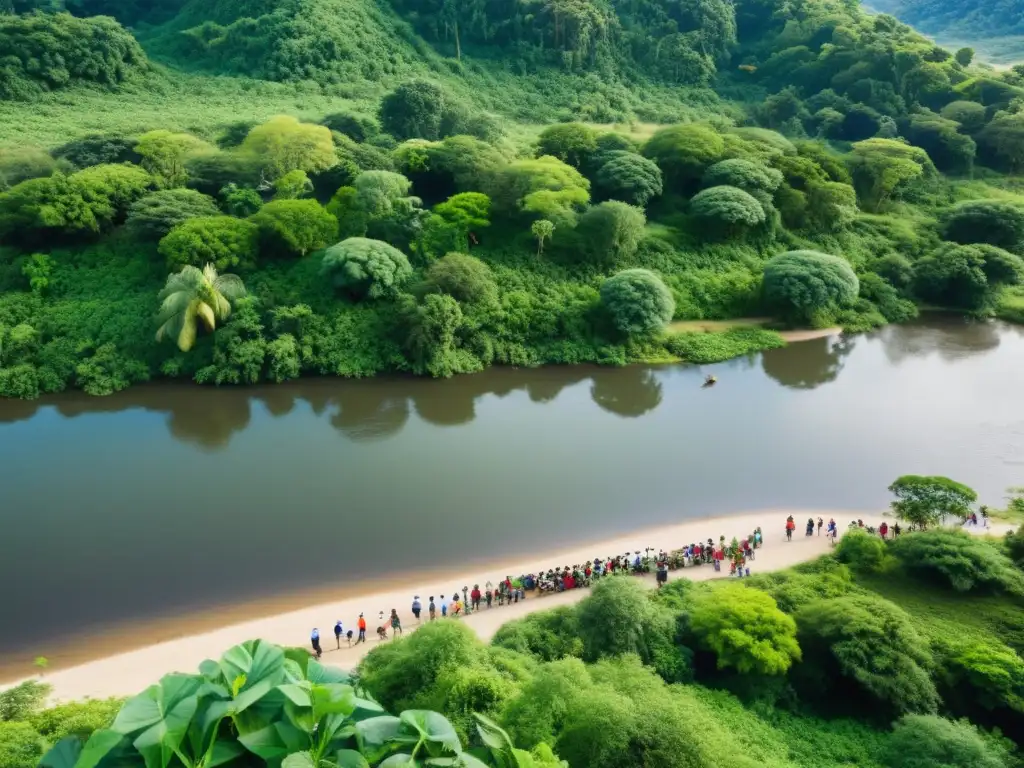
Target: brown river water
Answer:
pixel 168 499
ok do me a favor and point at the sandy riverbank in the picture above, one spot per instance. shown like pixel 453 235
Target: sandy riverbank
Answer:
pixel 719 326
pixel 125 673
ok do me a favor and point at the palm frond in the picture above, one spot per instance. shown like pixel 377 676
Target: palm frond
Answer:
pixel 172 305
pixel 230 286
pixel 221 307
pixel 205 313
pixel 187 334
pixel 189 279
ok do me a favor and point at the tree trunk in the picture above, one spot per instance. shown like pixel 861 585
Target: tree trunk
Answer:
pixel 458 45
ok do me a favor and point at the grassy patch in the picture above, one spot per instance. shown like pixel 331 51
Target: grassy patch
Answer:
pixel 715 347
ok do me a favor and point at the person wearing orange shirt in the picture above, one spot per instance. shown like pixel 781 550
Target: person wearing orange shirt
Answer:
pixel 362 630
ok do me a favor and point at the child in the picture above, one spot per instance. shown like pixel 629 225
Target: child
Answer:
pixel 396 623
pixel 416 608
pixel 432 609
pixel 488 596
pixel 444 608
pixel 314 639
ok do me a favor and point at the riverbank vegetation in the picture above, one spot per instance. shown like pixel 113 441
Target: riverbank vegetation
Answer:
pixel 458 195
pixel 887 653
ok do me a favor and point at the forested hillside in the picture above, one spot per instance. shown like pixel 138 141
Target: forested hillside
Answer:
pixel 994 27
pixel 347 187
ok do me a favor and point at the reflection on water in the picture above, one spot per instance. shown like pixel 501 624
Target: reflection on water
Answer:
pixel 165 498
pixel 377 409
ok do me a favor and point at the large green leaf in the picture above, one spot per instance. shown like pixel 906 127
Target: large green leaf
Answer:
pixel 365 709
pixel 299 760
pixel 206 721
pixel 401 760
pixel 255 660
pixel 349 758
pixel 300 656
pixel 224 751
pixel 139 712
pixel 299 694
pixel 433 728
pixel 333 699
pixel 64 754
pixel 210 669
pixel 275 741
pixel 491 734
pixel 98 746
pixel 177 704
pixel 318 673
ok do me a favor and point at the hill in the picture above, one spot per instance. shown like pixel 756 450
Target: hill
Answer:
pixel 994 29
pixel 471 184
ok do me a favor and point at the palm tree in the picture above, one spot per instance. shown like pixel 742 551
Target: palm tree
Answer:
pixel 191 296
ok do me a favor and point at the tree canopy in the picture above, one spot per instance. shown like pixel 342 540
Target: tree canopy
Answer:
pixel 366 268
pixel 808 286
pixel 637 301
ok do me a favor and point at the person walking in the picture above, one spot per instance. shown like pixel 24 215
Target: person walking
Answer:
pixel 416 607
pixel 820 523
pixel 396 623
pixel 790 527
pixel 475 597
pixel 432 609
pixel 444 608
pixel 338 629
pixel 361 624
pixel 314 640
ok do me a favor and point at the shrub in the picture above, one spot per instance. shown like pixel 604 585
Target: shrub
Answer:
pixel 638 301
pixel 548 635
pixel 463 277
pixel 958 560
pixel 612 230
pixel 808 285
pixel 97 149
pixel 414 110
pixel 982 674
pixel 223 241
pixel 861 550
pixel 868 645
pixel 46 52
pixel 683 152
pixel 927 741
pixel 618 617
pixel 970 115
pixel 965 276
pixel 366 268
pixel 745 630
pixel 743 174
pixel 157 213
pixel 20 165
pixel 704 348
pixel 544 186
pixel 165 155
pixel 572 143
pixel 727 209
pixel 283 144
pixel 630 177
pixel 294 227
pixel 985 221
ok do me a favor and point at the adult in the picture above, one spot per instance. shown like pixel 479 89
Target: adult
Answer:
pixel 396 623
pixel 314 640
pixel 432 609
pixel 362 630
pixel 662 573
pixel 444 608
pixel 883 529
pixel 820 523
pixel 338 629
pixel 416 607
pixel 475 597
pixel 790 527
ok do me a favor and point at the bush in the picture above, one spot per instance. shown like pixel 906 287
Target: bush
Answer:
pixel 366 268
pixel 927 741
pixel 637 301
pixel 857 644
pixel 612 230
pixel 630 177
pixel 572 143
pixel 958 560
pixel 463 277
pixel 965 276
pixel 808 286
pixel 745 630
pixel 743 174
pixel 223 241
pixel 683 152
pixel 46 52
pixel 727 209
pixel 861 550
pixel 982 674
pixel 414 110
pixel 985 221
pixel 283 144
pixel 704 348
pixel 97 149
pixel 548 635
pixel 294 227
pixel 20 165
pixel 156 214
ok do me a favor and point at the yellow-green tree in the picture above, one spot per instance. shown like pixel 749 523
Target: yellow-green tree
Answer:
pixel 195 296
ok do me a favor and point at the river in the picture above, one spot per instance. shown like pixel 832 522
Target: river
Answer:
pixel 166 499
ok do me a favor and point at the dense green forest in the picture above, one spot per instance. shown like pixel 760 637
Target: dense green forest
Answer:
pixel 901 653
pixel 995 29
pixel 236 192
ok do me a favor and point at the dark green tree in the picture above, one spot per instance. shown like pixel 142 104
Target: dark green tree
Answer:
pixel 366 268
pixel 637 301
pixel 807 286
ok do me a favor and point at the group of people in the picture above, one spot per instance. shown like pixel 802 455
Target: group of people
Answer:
pixel 510 591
